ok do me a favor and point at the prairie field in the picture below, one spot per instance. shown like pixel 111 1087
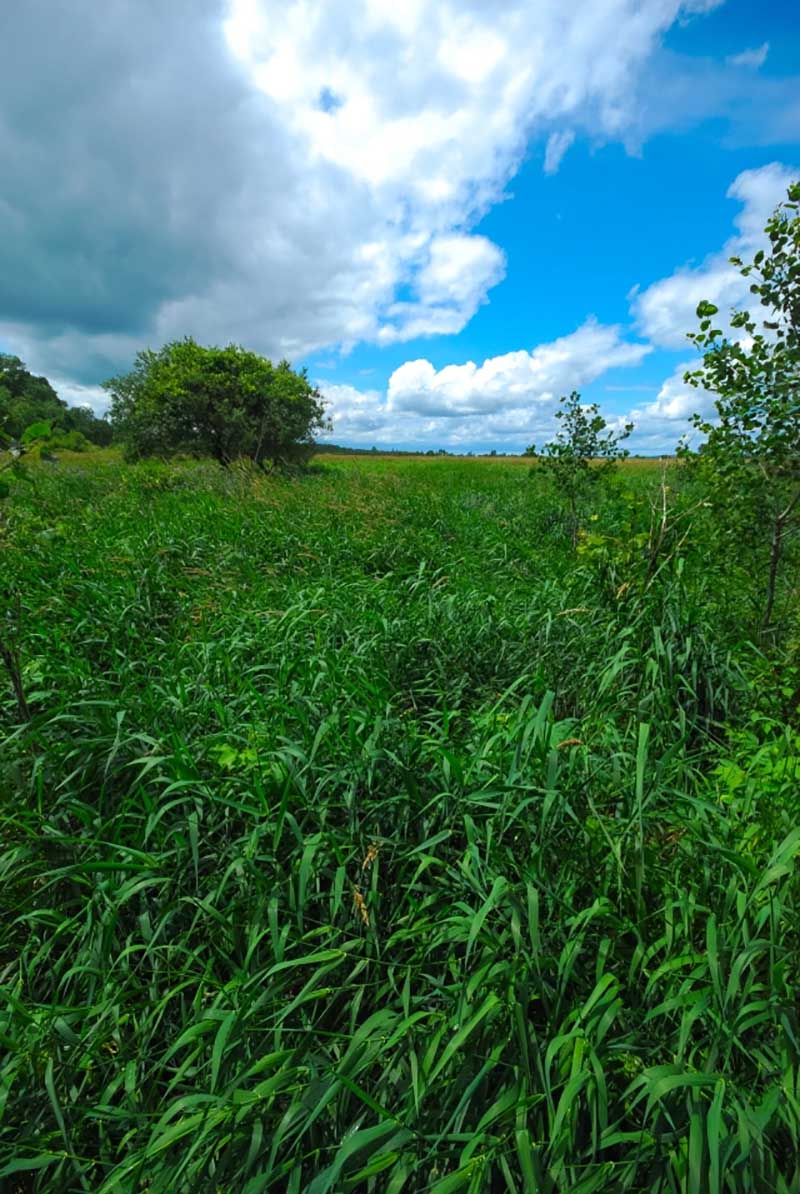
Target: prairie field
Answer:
pixel 366 835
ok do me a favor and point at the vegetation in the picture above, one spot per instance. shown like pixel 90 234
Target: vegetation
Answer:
pixel 370 841
pixel 25 400
pixel 226 403
pixel 366 829
pixel 583 453
pixel 750 461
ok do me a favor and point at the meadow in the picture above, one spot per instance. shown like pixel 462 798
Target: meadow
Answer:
pixel 366 836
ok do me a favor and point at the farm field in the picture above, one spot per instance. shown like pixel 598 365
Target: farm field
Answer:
pixel 366 836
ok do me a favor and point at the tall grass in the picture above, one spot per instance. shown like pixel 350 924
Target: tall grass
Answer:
pixel 363 839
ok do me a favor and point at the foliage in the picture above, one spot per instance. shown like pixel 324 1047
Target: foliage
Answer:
pixel 25 399
pixel 12 466
pixel 226 403
pixel 12 451
pixel 750 461
pixel 583 452
pixel 362 839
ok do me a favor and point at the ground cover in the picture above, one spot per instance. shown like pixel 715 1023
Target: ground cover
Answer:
pixel 366 836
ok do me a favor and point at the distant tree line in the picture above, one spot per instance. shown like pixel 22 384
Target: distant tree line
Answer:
pixel 27 400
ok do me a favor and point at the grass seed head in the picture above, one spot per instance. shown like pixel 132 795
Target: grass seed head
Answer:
pixel 361 906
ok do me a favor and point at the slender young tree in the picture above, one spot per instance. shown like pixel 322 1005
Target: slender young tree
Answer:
pixel 583 452
pixel 750 460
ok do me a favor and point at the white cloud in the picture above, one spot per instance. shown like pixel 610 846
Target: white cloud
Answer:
pixel 510 399
pixel 311 181
pixel 702 6
pixel 557 146
pixel 506 401
pixel 451 285
pixel 75 394
pixel 515 380
pixel 751 58
pixel 662 423
pixel 665 311
pixel 506 415
pixel 354 413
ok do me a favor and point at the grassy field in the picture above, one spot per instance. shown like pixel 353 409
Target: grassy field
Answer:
pixel 366 837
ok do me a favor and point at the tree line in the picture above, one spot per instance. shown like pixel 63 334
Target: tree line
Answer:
pixel 26 400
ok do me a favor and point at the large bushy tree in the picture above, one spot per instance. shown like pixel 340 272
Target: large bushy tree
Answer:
pixel 750 461
pixel 227 403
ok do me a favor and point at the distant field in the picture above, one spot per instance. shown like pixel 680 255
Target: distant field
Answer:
pixel 366 837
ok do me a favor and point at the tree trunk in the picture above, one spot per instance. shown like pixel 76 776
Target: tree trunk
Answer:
pixel 775 552
pixel 774 563
pixel 10 659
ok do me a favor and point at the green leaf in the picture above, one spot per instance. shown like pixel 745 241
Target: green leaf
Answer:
pixel 36 431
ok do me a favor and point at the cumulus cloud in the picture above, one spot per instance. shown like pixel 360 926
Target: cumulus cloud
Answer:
pixel 516 379
pixel 500 416
pixel 750 58
pixel 287 175
pixel 451 285
pixel 507 400
pixel 662 423
pixel 665 311
pixel 510 399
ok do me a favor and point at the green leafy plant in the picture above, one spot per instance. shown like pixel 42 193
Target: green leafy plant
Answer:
pixel 26 399
pixel 583 453
pixel 12 465
pixel 360 841
pixel 750 461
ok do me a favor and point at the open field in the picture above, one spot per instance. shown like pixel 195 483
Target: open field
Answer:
pixel 365 837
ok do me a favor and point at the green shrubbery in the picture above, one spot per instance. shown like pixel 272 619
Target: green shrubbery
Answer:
pixel 226 403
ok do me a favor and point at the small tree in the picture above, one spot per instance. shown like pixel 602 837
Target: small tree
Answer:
pixel 226 403
pixel 750 460
pixel 582 452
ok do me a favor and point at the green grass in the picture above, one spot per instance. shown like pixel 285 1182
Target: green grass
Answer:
pixel 364 838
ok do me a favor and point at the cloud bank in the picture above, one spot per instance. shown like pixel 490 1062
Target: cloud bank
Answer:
pixel 287 175
pixel 511 399
pixel 296 176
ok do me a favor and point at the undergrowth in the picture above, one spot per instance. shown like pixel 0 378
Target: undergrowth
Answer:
pixel 367 837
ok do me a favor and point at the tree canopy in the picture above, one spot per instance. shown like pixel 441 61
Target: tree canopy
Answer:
pixel 227 403
pixel 26 399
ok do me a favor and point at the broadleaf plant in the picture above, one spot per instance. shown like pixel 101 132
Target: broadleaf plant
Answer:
pixel 750 461
pixel 583 452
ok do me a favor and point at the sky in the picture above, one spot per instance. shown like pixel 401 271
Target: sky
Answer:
pixel 449 213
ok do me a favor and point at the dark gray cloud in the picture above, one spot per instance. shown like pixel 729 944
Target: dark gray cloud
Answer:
pixel 142 171
pixel 116 122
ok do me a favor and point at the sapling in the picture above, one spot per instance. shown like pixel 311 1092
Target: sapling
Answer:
pixel 583 452
pixel 750 461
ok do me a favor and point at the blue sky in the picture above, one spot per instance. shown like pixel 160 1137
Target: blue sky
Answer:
pixel 450 213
